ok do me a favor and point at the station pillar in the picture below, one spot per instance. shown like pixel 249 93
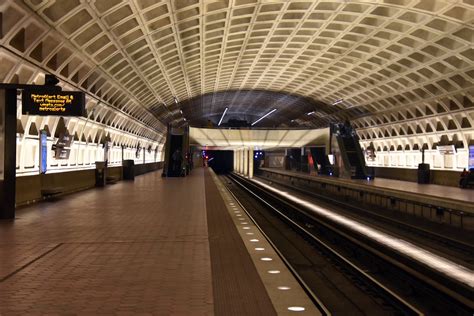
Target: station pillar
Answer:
pixel 235 161
pixel 246 162
pixel 8 100
pixel 250 155
pixel 241 161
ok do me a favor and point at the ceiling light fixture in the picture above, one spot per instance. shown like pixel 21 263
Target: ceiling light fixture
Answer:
pixel 263 117
pixel 310 113
pixel 338 101
pixel 175 100
pixel 220 121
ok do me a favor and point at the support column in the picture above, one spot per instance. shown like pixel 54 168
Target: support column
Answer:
pixel 251 157
pixel 246 162
pixel 7 153
pixel 237 157
pixel 234 161
pixel 241 159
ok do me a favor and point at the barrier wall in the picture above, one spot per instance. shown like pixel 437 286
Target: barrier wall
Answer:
pixel 28 188
pixel 442 177
pixel 450 212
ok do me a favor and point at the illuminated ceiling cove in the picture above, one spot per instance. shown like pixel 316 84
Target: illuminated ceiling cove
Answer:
pixel 390 66
pixel 226 139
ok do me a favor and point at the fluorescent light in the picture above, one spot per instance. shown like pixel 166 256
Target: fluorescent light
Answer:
pixel 220 121
pixel 263 117
pixel 175 100
pixel 309 113
pixel 337 101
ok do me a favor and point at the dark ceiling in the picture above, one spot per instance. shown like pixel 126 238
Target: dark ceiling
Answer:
pixel 250 105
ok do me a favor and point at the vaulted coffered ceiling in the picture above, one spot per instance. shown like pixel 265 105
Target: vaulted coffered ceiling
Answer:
pixel 384 62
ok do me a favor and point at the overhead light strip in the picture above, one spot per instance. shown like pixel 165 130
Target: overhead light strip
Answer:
pixel 263 117
pixel 337 101
pixel 222 117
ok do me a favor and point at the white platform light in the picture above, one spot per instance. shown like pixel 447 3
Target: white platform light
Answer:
pixel 296 308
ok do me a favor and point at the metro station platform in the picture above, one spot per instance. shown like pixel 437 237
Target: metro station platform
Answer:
pixel 442 204
pixel 161 246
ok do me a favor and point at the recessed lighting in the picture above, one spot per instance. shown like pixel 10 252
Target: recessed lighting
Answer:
pixel 249 233
pixel 273 271
pixel 222 117
pixel 263 117
pixel 296 308
pixel 243 223
pixel 259 249
pixel 254 240
pixel 246 227
pixel 284 288
pixel 266 259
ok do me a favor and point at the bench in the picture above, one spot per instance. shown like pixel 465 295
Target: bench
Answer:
pixel 50 192
pixel 468 181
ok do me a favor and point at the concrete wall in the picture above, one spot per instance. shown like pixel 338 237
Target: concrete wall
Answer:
pixel 442 177
pixel 28 188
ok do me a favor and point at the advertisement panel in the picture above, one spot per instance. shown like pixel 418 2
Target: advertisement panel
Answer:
pixel 471 157
pixel 43 151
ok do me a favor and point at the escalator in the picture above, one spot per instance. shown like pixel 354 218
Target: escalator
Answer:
pixel 321 160
pixel 350 151
pixel 176 152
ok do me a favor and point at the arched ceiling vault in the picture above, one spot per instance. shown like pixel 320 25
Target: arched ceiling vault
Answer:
pixel 384 60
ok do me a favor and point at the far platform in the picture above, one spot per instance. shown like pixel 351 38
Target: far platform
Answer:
pixel 456 201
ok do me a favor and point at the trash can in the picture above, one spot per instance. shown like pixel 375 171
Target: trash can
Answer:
pixel 128 169
pixel 424 173
pixel 100 174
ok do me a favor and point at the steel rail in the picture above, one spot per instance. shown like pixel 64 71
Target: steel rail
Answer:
pixel 380 288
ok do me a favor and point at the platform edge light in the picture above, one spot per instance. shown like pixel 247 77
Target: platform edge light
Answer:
pixel 263 117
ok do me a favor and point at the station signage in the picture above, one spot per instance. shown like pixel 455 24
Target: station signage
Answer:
pixel 446 149
pixel 45 102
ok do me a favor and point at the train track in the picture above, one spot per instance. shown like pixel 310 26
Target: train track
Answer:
pixel 461 251
pixel 365 263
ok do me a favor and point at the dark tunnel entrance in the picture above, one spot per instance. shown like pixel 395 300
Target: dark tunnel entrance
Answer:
pixel 221 161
